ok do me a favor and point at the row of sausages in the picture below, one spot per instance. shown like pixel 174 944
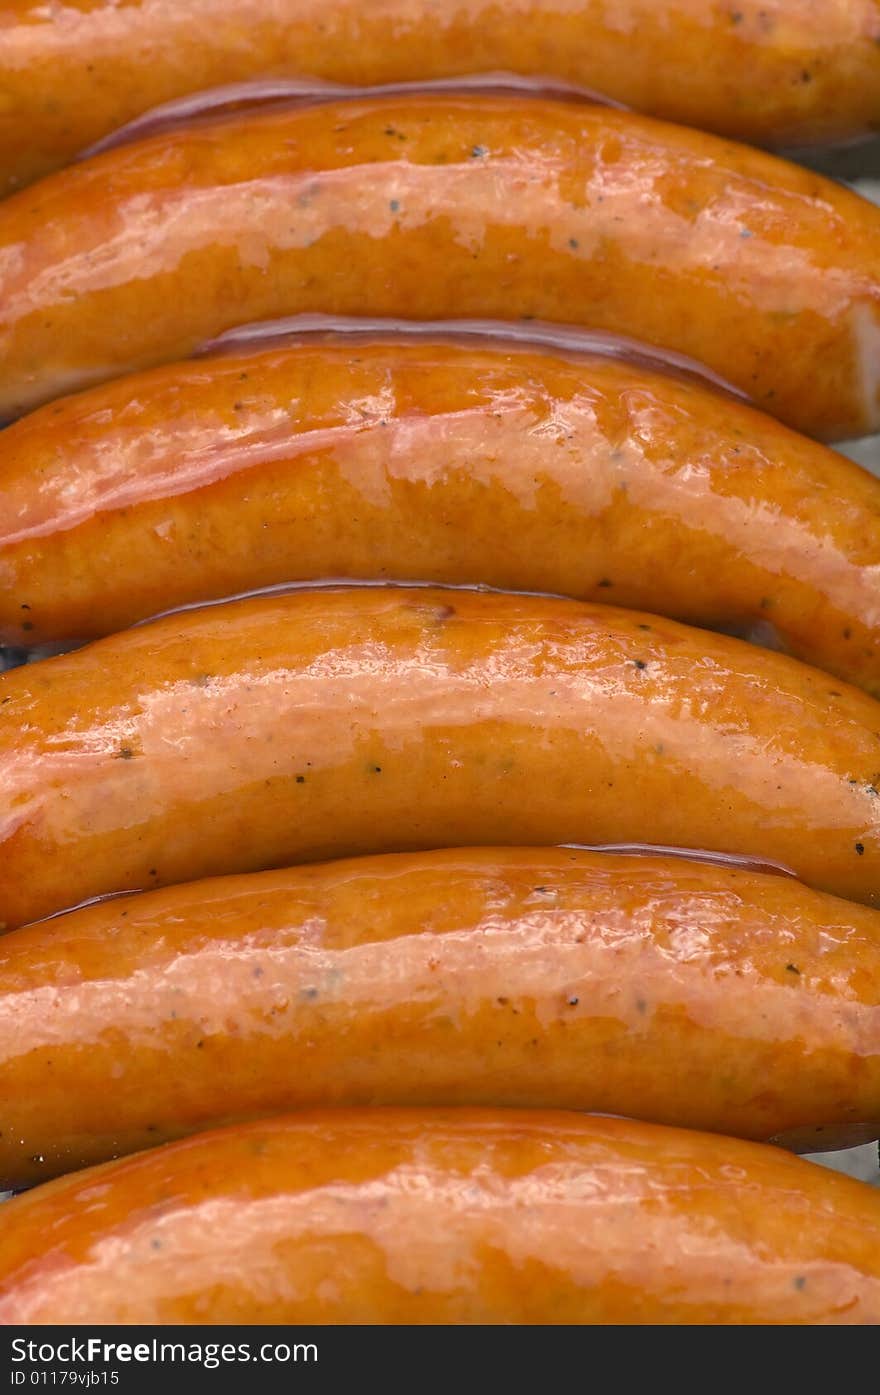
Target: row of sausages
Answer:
pixel 323 722
pixel 354 1089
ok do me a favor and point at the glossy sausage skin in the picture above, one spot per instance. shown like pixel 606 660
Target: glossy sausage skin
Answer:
pixel 435 462
pixel 690 994
pixel 323 724
pixel 446 1216
pixel 763 70
pixel 435 207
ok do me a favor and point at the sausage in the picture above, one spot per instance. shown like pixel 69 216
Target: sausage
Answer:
pixel 429 207
pixel 446 1216
pixel 305 726
pixel 761 70
pixel 704 996
pixel 435 462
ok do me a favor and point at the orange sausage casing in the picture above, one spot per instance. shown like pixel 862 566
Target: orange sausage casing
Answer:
pixel 690 994
pixel 763 70
pixel 435 462
pixel 432 207
pixel 376 719
pixel 422 1216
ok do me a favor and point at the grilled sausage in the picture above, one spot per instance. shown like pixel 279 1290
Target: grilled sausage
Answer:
pixel 431 207
pixel 762 70
pixel 704 996
pixel 435 462
pixel 432 1216
pixel 321 724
